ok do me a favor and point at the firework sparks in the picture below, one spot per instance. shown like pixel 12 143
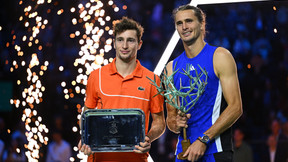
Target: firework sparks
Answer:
pixel 33 89
pixel 95 40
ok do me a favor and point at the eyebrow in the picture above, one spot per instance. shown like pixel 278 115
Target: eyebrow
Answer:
pixel 128 38
pixel 188 19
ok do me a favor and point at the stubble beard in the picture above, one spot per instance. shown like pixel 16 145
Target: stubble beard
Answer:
pixel 192 40
pixel 125 58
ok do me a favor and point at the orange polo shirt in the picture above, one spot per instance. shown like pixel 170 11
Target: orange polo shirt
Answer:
pixel 107 89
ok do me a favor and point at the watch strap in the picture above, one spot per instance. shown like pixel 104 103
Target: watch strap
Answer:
pixel 204 139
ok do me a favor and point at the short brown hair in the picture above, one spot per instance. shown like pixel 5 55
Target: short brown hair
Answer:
pixel 124 24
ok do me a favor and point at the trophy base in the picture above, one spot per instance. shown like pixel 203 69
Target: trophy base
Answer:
pixel 180 156
pixel 185 145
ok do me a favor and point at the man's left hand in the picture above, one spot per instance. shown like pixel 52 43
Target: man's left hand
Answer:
pixel 195 151
pixel 144 146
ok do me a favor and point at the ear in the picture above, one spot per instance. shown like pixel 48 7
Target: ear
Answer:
pixel 114 43
pixel 140 44
pixel 202 26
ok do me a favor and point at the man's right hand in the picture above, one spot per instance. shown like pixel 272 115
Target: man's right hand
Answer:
pixel 181 119
pixel 84 148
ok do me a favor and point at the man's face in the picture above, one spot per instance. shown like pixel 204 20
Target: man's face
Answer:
pixel 126 45
pixel 188 26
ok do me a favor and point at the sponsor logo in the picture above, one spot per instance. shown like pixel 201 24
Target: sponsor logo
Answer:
pixel 192 68
pixel 141 88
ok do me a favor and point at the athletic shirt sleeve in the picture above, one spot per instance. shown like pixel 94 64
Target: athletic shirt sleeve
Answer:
pixel 91 93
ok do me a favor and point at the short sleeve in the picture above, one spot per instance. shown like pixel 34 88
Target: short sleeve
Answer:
pixel 91 93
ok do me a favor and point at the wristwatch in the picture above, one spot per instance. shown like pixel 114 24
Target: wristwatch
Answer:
pixel 204 139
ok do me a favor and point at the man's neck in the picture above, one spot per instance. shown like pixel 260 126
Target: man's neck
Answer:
pixel 125 68
pixel 194 49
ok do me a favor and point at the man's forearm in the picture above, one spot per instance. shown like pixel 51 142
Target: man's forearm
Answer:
pixel 172 126
pixel 155 132
pixel 171 119
pixel 157 127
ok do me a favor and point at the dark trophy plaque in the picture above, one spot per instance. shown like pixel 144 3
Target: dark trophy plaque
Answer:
pixel 113 130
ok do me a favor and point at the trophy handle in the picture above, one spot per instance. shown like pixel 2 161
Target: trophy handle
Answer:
pixel 185 144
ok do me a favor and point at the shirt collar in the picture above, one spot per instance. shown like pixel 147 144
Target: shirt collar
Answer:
pixel 138 71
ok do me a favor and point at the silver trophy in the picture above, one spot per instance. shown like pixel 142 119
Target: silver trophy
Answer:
pixel 112 130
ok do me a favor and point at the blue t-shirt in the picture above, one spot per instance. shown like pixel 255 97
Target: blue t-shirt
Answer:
pixel 209 106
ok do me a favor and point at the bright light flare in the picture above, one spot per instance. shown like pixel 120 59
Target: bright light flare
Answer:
pixel 94 19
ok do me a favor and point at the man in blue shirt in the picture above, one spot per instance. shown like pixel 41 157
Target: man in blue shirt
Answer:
pixel 209 122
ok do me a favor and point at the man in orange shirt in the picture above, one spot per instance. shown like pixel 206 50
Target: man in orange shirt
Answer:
pixel 124 84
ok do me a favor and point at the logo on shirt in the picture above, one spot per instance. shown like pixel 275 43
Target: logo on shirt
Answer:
pixel 192 68
pixel 141 88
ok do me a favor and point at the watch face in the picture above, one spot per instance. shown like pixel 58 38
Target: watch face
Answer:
pixel 205 138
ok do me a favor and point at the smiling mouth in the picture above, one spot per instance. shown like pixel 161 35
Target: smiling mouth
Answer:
pixel 186 34
pixel 124 52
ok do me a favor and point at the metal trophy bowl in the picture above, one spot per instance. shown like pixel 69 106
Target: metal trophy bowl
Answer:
pixel 178 97
pixel 112 130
